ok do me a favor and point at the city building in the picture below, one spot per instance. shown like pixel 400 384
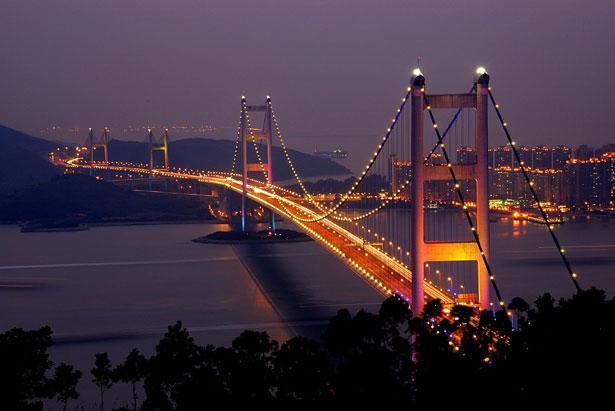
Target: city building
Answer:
pixel 590 183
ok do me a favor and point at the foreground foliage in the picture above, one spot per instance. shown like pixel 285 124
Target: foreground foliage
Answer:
pixel 555 353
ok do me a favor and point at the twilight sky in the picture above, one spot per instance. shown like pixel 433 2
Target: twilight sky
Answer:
pixel 335 69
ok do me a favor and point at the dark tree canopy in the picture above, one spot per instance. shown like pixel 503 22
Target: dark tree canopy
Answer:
pixel 558 352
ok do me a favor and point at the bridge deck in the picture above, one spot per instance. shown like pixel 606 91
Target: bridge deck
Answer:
pixel 382 271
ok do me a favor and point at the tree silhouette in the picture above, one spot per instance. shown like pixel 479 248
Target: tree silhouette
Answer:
pixel 102 376
pixel 339 336
pixel 24 361
pixel 563 353
pixel 252 374
pixel 302 371
pixel 519 306
pixel 64 383
pixel 131 371
pixel 462 313
pixel 433 308
pixel 175 360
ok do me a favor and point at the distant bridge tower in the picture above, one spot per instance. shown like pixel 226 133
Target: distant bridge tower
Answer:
pixel 423 251
pixel 255 135
pixel 154 145
pixel 93 144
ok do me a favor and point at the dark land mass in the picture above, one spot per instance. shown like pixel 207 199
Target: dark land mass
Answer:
pixel 23 160
pixel 68 200
pixel 264 236
pixel 373 184
pixel 33 190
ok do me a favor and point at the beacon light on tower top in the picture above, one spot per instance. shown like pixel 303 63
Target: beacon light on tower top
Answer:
pixel 417 80
pixel 482 77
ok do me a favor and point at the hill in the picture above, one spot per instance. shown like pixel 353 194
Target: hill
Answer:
pixel 23 160
pixel 82 198
pixel 210 154
pixel 24 163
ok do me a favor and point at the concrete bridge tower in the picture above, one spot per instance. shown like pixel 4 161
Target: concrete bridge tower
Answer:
pixel 423 251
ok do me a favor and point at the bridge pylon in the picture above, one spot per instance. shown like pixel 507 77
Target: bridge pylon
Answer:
pixel 92 144
pixel 423 251
pixel 154 146
pixel 255 136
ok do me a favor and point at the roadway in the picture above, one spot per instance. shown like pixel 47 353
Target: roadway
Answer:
pixel 383 272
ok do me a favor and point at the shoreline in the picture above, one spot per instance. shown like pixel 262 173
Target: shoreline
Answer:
pixel 85 226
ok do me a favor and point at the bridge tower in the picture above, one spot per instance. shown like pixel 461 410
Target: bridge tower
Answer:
pixel 93 144
pixel 156 146
pixel 256 136
pixel 423 251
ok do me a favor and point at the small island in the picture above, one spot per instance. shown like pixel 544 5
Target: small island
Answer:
pixel 253 237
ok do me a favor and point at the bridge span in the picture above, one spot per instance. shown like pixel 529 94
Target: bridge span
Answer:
pixel 384 272
pixel 398 172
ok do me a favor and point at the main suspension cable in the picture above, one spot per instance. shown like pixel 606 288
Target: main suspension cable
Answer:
pixel 530 183
pixel 361 177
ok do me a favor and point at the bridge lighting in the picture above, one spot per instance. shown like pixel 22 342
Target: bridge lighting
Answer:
pixel 481 70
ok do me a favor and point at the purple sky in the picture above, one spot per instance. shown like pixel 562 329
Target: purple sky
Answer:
pixel 335 69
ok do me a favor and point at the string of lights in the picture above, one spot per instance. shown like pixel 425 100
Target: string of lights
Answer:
pixel 573 275
pixel 333 210
pixel 406 183
pixel 237 139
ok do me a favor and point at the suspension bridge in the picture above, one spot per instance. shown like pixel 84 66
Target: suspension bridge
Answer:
pixel 383 225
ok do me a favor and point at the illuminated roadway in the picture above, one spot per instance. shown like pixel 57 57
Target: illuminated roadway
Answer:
pixel 383 272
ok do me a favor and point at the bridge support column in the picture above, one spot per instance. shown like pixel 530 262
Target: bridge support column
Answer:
pixel 105 144
pixel 93 145
pixel 450 250
pixel 165 147
pixel 155 146
pixel 263 134
pixel 91 148
pixel 482 184
pixel 244 150
pixel 417 219
pixel 269 131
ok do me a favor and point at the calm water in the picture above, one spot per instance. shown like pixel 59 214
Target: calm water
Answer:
pixel 114 288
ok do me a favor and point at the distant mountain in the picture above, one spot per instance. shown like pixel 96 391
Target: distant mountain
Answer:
pixel 23 160
pixel 210 154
